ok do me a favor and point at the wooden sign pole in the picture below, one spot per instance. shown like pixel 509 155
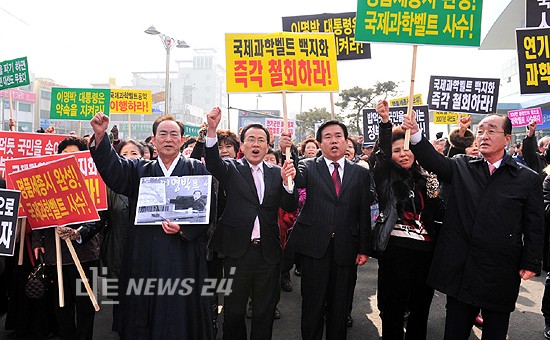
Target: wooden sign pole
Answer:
pixel 410 112
pixel 22 222
pixel 82 274
pixel 59 270
pixel 285 129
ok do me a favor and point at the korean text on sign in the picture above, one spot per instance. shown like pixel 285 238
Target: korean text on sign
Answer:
pixel 20 145
pixel 371 120
pixel 55 194
pixel 533 60
pixel 9 201
pixel 131 101
pixel 78 104
pixel 14 73
pixel 468 95
pixel 525 116
pixel 433 22
pixel 281 62
pixel 276 126
pixel 341 24
pixel 94 182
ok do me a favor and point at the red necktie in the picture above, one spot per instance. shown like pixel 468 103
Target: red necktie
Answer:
pixel 336 178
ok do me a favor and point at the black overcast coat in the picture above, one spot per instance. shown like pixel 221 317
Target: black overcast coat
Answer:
pixel 493 227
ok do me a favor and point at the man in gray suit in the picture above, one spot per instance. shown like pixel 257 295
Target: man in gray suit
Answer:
pixel 331 232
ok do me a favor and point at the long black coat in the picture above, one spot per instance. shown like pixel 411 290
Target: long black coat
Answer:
pixel 493 228
pixel 153 256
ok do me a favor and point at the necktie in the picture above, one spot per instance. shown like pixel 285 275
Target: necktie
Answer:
pixel 258 181
pixel 336 178
pixel 492 168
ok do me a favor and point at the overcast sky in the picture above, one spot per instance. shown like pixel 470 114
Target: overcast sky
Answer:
pixel 77 43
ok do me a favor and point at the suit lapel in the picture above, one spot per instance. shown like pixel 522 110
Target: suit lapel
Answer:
pixel 244 168
pixel 325 175
pixel 349 171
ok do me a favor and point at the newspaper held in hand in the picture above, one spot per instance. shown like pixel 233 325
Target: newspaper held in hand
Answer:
pixel 182 200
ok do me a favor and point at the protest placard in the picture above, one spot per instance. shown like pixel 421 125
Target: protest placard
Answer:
pixel 94 182
pixel 533 60
pixel 281 61
pixel 524 116
pixel 55 194
pixel 14 73
pixel 460 94
pixel 371 119
pixel 341 24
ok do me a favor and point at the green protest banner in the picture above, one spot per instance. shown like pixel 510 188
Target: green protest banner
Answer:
pixel 14 73
pixel 446 22
pixel 78 104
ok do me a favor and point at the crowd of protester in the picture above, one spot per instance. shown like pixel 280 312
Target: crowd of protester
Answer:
pixel 468 216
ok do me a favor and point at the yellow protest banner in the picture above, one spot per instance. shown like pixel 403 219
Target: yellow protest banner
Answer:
pixel 448 118
pixel 402 101
pixel 131 101
pixel 282 61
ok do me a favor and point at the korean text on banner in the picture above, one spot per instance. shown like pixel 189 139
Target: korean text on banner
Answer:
pixel 533 60
pixel 94 182
pixel 21 144
pixel 78 104
pixel 371 120
pixel 14 73
pixel 281 62
pixel 459 94
pixel 55 194
pixel 131 101
pixel 341 24
pixel 9 201
pixel 525 116
pixel 454 23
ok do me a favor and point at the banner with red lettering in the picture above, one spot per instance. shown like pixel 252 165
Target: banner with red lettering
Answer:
pixel 94 182
pixel 55 194
pixel 24 144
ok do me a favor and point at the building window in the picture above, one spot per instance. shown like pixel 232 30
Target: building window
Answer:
pixel 25 107
pixel 44 114
pixel 46 95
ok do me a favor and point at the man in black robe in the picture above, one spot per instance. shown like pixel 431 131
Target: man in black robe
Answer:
pixel 163 267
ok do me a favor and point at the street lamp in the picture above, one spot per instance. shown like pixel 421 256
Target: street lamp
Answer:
pixel 168 43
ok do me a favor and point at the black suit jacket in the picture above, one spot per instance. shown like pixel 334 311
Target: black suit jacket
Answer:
pixel 324 213
pixel 232 235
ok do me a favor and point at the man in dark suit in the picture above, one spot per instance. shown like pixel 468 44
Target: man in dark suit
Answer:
pixel 247 232
pixel 493 231
pixel 331 232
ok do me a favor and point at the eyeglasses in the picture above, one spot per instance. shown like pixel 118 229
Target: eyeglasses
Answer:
pixel 490 132
pixel 252 140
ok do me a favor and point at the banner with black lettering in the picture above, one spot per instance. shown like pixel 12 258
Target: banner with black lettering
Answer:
pixel 371 120
pixel 533 60
pixel 459 94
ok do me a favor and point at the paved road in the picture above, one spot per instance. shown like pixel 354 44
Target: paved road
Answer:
pixel 526 322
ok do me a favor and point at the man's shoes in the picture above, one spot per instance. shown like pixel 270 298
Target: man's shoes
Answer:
pixel 277 314
pixel 479 321
pixel 249 311
pixel 349 321
pixel 298 271
pixel 547 332
pixel 286 286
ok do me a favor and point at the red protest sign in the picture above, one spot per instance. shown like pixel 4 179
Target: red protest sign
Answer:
pixel 54 194
pixel 22 144
pixel 94 182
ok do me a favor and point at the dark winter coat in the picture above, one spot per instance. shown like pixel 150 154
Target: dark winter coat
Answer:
pixel 493 228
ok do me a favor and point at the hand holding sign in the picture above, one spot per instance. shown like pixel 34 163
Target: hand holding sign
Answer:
pixel 531 128
pixel 409 123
